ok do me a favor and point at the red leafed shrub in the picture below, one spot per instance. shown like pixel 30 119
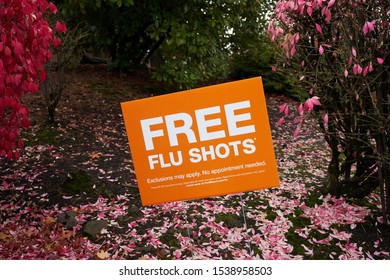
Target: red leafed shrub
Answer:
pixel 25 40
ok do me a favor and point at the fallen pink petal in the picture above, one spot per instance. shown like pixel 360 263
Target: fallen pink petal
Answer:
pixel 321 50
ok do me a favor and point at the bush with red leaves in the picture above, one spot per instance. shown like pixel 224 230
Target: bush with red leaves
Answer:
pixel 25 40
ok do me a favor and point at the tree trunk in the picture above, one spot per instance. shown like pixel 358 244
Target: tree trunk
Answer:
pixel 334 166
pixel 51 113
pixel 383 145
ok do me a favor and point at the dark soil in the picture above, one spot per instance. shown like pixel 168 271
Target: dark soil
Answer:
pixel 85 153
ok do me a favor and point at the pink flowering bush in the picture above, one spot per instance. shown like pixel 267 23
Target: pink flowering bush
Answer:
pixel 25 40
pixel 338 50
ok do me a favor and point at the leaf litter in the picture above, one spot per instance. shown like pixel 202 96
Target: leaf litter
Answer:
pixel 298 220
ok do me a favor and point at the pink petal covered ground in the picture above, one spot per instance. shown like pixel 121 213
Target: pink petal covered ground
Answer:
pixel 294 221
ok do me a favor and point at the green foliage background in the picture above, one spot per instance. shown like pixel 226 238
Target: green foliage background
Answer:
pixel 198 39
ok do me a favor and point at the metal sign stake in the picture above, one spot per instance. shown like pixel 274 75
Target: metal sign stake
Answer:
pixel 242 203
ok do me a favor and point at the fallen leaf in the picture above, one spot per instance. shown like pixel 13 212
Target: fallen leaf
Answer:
pixel 67 234
pixel 95 155
pixel 103 255
pixel 50 222
pixel 29 232
pixel 4 237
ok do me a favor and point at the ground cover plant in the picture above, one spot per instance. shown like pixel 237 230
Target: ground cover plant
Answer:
pixel 73 193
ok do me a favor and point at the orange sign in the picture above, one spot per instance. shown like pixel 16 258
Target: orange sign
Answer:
pixel 203 142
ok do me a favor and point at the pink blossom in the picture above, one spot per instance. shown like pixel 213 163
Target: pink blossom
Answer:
pixel 295 38
pixel 321 50
pixel 365 28
pixel 296 132
pixel 331 3
pixel 365 71
pixel 357 69
pixel 327 13
pixel 326 118
pixel 319 28
pixel 316 100
pixel 350 61
pixel 300 109
pixel 368 26
pixel 380 60
pixel 132 224
pixel 101 215
pixel 308 251
pixel 292 51
pixel 280 121
pixel 311 102
pixel 309 10
pixel 177 254
pixel 353 51
pixel 283 107
pixel 370 67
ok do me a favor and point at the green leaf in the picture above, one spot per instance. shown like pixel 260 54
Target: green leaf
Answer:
pixel 180 41
pixel 128 3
